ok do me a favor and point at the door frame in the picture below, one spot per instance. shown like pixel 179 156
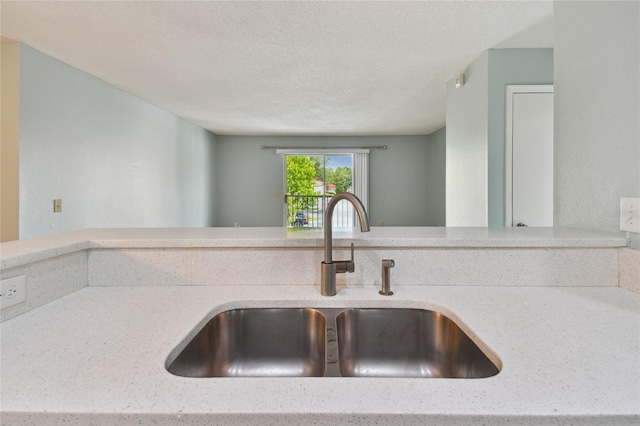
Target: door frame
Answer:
pixel 512 90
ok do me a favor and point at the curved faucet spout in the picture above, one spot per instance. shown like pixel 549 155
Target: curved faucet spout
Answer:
pixel 329 267
pixel 328 215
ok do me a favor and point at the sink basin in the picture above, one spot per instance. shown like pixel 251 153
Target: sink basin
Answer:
pixel 276 342
pixel 309 342
pixel 406 343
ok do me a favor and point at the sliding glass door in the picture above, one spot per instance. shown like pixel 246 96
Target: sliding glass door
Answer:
pixel 311 180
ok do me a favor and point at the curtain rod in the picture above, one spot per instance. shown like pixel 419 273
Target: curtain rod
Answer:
pixel 302 148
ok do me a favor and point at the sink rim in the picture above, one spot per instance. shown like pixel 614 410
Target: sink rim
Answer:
pixel 337 305
pixel 249 343
pixel 408 343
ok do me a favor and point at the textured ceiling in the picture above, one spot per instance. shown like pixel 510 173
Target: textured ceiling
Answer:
pixel 287 68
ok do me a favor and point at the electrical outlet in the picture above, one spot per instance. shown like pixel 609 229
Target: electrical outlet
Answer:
pixel 630 214
pixel 12 291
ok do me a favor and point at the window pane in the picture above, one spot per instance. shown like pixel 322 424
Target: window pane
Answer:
pixel 311 180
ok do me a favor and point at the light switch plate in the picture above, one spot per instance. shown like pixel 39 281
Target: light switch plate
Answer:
pixel 630 214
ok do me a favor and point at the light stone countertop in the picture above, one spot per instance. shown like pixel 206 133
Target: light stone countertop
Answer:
pixel 97 356
pixel 17 253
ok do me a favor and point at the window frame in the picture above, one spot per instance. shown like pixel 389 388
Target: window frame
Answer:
pixel 360 167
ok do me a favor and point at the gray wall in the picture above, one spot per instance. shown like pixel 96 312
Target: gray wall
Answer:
pixel 508 66
pixel 251 180
pixel 597 108
pixel 476 132
pixel 436 178
pixel 115 160
pixel 467 147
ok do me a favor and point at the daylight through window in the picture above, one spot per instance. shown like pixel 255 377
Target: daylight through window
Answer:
pixel 311 179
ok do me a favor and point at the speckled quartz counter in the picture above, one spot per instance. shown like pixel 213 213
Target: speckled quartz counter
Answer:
pixel 105 307
pixel 57 265
pixel 16 253
pixel 97 356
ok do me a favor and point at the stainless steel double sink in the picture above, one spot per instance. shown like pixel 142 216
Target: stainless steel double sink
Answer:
pixel 311 342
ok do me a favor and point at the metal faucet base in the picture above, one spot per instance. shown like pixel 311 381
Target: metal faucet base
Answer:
pixel 328 279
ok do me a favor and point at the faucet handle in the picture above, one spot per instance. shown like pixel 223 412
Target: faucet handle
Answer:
pixel 343 266
pixel 351 265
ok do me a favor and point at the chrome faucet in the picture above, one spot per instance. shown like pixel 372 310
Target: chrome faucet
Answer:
pixel 329 268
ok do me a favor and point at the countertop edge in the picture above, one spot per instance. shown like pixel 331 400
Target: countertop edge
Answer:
pixel 301 419
pixel 18 253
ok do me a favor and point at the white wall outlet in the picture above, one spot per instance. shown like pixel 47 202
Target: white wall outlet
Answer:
pixel 13 291
pixel 630 214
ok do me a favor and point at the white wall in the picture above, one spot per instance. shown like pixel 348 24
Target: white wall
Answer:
pixel 251 180
pixel 467 147
pixel 597 112
pixel 436 178
pixel 114 159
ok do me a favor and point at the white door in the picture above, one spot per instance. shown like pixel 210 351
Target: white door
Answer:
pixel 529 156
